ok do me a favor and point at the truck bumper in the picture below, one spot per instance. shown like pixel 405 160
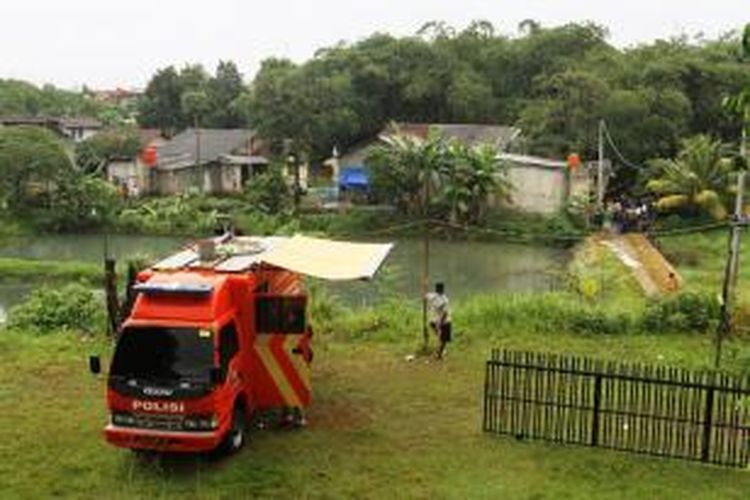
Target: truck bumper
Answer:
pixel 146 439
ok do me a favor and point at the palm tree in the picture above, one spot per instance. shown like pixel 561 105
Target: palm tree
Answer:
pixel 406 168
pixel 435 176
pixel 697 180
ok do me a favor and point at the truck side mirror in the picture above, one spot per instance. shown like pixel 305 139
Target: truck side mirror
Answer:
pixel 215 376
pixel 95 365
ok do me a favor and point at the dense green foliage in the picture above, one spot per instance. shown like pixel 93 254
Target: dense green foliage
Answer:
pixel 179 215
pixel 556 83
pixel 40 183
pixel 175 99
pixel 435 177
pixel 93 154
pixel 269 192
pixel 32 161
pixel 50 309
pixel 19 98
pixel 697 179
pixel 739 104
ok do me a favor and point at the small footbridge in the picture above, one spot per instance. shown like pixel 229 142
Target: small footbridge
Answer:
pixel 651 269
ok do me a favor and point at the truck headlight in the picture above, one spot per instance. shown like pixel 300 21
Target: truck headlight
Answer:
pixel 200 422
pixel 123 419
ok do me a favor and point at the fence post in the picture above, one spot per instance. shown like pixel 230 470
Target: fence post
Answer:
pixel 110 291
pixel 486 422
pixel 708 424
pixel 597 407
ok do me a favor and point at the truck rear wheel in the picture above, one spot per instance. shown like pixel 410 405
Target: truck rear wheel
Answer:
pixel 235 438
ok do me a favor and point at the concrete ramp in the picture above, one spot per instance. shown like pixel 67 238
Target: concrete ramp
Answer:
pixel 651 269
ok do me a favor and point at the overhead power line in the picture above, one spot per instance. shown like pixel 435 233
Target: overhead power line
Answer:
pixel 614 147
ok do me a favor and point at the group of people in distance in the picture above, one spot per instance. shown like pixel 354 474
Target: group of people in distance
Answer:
pixel 628 215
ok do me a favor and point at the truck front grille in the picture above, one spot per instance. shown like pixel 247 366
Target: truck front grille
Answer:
pixel 149 421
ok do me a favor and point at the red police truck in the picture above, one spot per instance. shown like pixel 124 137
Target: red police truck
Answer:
pixel 216 333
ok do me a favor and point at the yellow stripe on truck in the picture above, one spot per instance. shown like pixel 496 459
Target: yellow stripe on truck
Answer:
pixel 298 362
pixel 266 357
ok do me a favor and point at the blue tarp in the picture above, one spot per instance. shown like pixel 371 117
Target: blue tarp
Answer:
pixel 354 178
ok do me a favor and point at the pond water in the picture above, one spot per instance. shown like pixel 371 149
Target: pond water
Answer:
pixel 465 267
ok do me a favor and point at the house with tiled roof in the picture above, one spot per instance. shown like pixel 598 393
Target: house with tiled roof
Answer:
pixel 76 129
pixel 540 185
pixel 213 161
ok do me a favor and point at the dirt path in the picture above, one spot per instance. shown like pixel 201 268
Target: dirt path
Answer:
pixel 651 269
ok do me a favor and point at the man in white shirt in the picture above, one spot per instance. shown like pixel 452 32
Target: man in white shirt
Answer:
pixel 441 322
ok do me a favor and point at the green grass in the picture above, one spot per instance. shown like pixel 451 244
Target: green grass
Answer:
pixel 700 258
pixel 380 426
pixel 22 270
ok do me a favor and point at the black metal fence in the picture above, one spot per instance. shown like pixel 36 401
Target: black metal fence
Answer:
pixel 661 411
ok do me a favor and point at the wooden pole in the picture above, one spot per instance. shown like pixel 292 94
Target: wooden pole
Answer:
pixel 600 169
pixel 110 291
pixel 198 163
pixel 425 262
pixel 733 261
pixel 297 189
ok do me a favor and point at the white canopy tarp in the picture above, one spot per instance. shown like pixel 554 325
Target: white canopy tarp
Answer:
pixel 328 259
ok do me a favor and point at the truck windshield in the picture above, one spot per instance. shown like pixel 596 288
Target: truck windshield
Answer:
pixel 164 354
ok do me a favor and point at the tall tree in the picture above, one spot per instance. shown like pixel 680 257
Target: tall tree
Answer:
pixel 33 161
pixel 161 103
pixel 223 90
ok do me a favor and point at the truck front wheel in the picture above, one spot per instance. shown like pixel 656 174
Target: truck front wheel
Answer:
pixel 235 438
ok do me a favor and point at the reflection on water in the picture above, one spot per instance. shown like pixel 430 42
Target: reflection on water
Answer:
pixel 87 247
pixel 465 267
pixel 84 247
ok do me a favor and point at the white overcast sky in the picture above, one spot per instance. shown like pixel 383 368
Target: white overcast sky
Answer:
pixel 106 43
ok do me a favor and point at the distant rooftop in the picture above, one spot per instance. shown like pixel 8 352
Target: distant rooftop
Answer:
pixel 498 135
pixel 181 151
pixel 59 121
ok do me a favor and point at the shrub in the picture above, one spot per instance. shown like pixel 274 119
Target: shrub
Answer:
pixel 51 309
pixel 181 214
pixel 688 311
pixel 269 192
pixel 81 203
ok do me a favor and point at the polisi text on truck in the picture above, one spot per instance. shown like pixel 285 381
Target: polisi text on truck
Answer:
pixel 159 406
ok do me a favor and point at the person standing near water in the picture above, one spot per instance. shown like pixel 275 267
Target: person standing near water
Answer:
pixel 441 322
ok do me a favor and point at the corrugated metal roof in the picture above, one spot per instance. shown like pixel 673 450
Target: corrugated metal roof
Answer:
pixel 181 151
pixel 532 160
pixel 499 135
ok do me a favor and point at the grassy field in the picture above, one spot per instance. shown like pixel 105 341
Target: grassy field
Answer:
pixel 24 270
pixel 701 258
pixel 379 427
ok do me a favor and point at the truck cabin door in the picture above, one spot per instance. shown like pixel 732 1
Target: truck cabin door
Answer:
pixel 228 348
pixel 282 343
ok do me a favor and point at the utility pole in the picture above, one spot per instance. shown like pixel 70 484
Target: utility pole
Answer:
pixel 425 260
pixel 297 188
pixel 600 170
pixel 293 163
pixel 733 259
pixel 199 166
